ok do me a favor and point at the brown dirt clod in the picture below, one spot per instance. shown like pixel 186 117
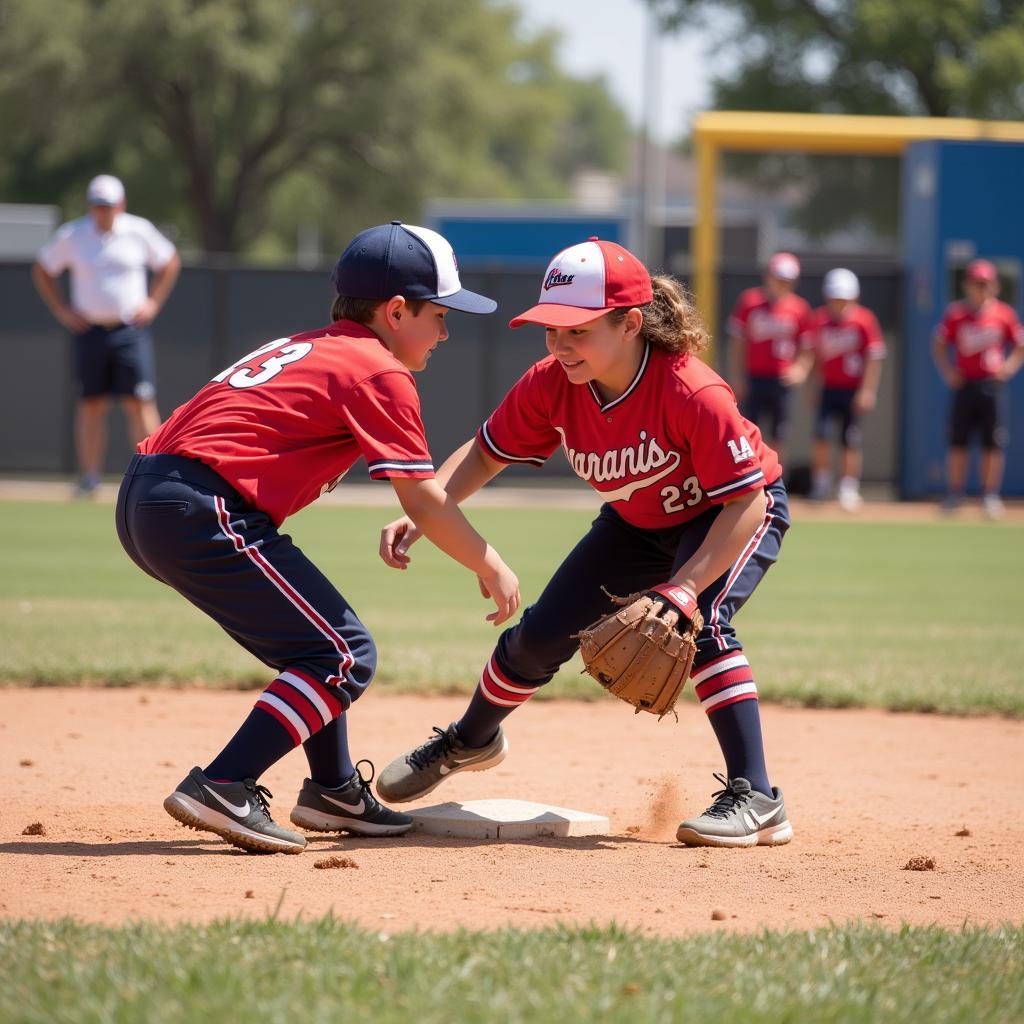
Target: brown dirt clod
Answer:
pixel 35 829
pixel 335 862
pixel 920 864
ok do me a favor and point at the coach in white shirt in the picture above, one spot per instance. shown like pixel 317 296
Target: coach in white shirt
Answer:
pixel 108 253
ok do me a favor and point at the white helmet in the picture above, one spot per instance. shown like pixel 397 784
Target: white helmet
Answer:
pixel 841 284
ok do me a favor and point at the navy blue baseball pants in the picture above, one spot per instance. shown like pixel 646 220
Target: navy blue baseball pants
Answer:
pixel 767 404
pixel 182 523
pixel 626 559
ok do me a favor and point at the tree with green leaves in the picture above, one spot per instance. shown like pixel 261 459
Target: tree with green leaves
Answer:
pixel 958 58
pixel 238 119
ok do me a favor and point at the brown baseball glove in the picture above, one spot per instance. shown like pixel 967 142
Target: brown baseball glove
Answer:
pixel 638 654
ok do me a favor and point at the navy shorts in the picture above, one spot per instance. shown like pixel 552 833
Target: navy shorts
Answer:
pixel 979 407
pixel 835 409
pixel 626 559
pixel 182 523
pixel 115 361
pixel 767 405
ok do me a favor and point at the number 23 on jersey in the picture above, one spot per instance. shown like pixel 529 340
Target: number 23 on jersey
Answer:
pixel 287 351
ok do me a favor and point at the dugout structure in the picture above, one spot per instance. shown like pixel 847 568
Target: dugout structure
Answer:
pixel 975 167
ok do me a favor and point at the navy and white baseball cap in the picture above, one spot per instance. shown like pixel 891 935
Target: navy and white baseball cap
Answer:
pixel 105 190
pixel 402 259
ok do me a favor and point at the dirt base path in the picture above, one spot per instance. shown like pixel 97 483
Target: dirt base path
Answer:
pixel 867 792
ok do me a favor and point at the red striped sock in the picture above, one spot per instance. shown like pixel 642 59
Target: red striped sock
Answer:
pixel 723 681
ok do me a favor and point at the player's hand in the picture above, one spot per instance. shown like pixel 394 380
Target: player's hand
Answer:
pixel 74 322
pixel 145 314
pixel 793 375
pixel 502 587
pixel 395 540
pixel 864 401
pixel 954 379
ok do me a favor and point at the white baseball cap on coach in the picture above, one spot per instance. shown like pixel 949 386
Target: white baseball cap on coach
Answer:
pixel 584 282
pixel 840 284
pixel 105 190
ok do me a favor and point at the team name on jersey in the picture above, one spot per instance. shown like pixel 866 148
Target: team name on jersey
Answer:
pixel 765 326
pixel 837 341
pixel 556 278
pixel 972 338
pixel 646 457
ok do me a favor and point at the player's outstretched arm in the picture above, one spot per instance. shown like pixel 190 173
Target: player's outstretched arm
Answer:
pixel 941 360
pixel 1013 363
pixel 724 542
pixel 464 472
pixel 439 518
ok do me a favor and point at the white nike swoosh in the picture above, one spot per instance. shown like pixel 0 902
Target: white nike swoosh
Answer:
pixel 762 818
pixel 627 491
pixel 352 808
pixel 444 769
pixel 239 809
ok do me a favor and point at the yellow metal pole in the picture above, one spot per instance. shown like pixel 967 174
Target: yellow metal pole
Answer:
pixel 705 241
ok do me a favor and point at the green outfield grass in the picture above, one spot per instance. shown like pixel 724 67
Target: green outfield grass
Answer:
pixel 322 971
pixel 907 616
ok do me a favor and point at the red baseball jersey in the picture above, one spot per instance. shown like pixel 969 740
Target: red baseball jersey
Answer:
pixel 844 346
pixel 666 450
pixel 285 423
pixel 980 336
pixel 770 329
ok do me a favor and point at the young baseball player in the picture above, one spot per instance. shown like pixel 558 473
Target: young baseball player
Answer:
pixel 694 508
pixel 843 344
pixel 200 507
pixel 764 332
pixel 978 330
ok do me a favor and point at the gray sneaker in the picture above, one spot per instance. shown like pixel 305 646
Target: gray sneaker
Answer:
pixel 422 770
pixel 349 808
pixel 739 816
pixel 238 812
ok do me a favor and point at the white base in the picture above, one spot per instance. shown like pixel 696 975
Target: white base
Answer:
pixel 506 819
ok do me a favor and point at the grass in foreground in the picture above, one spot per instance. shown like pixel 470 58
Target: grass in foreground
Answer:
pixel 904 616
pixel 327 971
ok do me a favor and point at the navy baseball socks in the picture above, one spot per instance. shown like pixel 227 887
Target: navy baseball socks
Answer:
pixel 495 698
pixel 296 708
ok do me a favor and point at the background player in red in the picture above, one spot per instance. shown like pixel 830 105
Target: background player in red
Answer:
pixel 844 343
pixel 200 507
pixel 694 508
pixel 978 330
pixel 764 332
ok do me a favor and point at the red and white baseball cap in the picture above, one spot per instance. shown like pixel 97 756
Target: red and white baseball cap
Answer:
pixel 584 282
pixel 981 270
pixel 785 266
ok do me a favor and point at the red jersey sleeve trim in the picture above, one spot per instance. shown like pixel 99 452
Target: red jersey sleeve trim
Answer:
pixel 487 442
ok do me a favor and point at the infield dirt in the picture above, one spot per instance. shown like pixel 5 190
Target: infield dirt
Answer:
pixel 869 792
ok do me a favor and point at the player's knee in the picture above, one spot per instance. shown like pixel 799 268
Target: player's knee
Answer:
pixel 533 652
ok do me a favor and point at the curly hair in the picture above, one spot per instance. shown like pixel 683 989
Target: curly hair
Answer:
pixel 671 321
